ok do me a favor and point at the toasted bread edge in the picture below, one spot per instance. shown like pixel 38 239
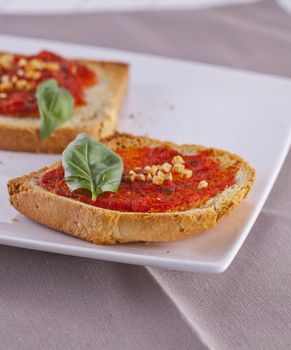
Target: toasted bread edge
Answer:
pixel 25 138
pixel 101 226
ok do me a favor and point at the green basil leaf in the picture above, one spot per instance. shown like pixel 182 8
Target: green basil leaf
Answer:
pixel 55 104
pixel 90 165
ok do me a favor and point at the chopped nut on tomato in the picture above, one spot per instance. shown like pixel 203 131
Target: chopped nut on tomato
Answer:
pixel 36 76
pixel 5 78
pixel 131 176
pixel 147 169
pixel 22 84
pixel 158 180
pixel 149 177
pixel 14 79
pixel 151 170
pixel 6 86
pixel 186 173
pixel 160 173
pixel 154 170
pixel 166 167
pixel 168 177
pixel 53 66
pixel 3 95
pixel 178 160
pixel 178 168
pixel 22 62
pixel 36 64
pixel 20 72
pixel 31 74
pixel 140 177
pixel 202 184
pixel 6 61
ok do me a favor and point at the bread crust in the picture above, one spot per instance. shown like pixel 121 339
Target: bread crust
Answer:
pixel 25 137
pixel 102 226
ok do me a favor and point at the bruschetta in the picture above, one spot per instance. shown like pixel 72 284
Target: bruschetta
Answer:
pixel 133 189
pixel 46 100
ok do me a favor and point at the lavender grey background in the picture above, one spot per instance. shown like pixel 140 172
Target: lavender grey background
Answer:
pixel 50 301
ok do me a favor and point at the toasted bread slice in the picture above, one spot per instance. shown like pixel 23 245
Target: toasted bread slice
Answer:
pixel 102 226
pixel 97 118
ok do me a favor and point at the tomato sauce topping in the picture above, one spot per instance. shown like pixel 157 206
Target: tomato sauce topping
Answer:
pixel 20 75
pixel 145 196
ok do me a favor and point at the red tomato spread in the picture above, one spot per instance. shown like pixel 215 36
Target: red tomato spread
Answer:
pixel 20 75
pixel 145 196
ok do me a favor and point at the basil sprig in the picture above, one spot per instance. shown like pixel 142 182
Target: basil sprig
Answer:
pixel 90 165
pixel 55 104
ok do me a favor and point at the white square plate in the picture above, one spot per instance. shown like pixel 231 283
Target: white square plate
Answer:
pixel 245 113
